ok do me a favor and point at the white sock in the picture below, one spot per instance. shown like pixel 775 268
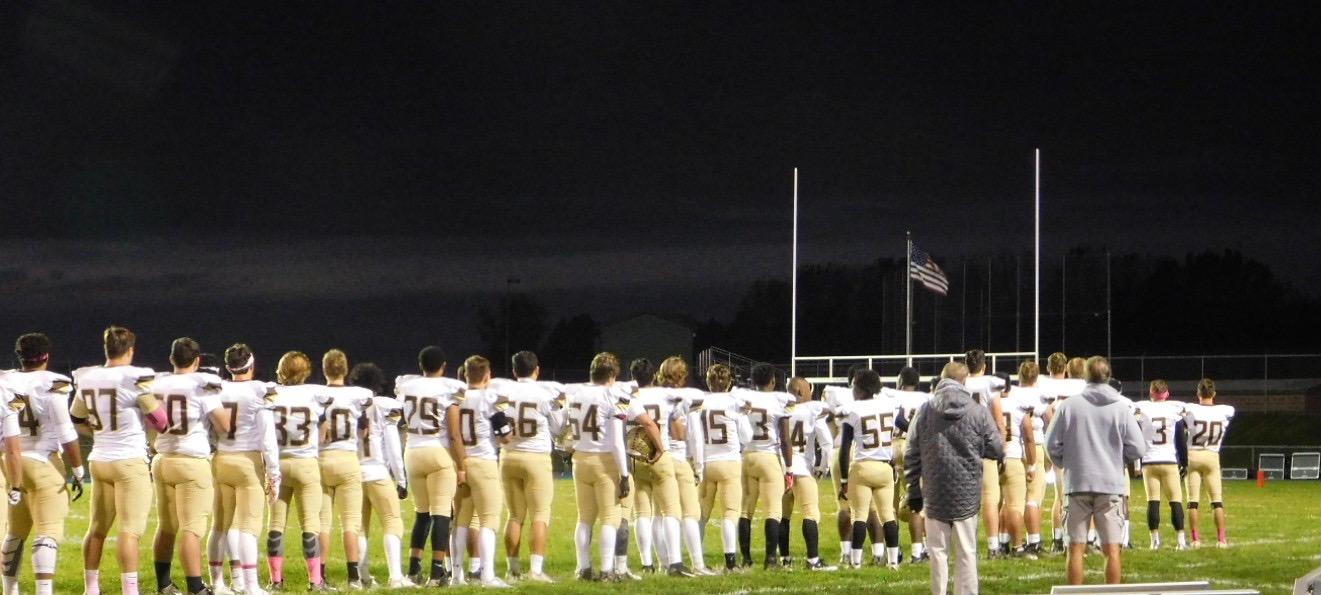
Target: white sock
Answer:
pixel 393 543
pixel 460 549
pixel 362 553
pixel 845 549
pixel 607 548
pixel 878 549
pixel 671 541
pixel 643 529
pixel 1057 533
pixel 993 542
pixel 45 586
pixel 661 540
pixel 621 562
pixel 892 555
pixel 692 534
pixel 129 583
pixel 582 541
pixel 856 557
pixel 729 536
pixel 215 556
pixel 1033 538
pixel 536 563
pixel 1128 532
pixel 250 576
pixel 92 582
pixel 916 550
pixel 486 548
pixel 475 560
pixel 11 584
pixel 1182 540
pixel 1004 538
pixel 1091 535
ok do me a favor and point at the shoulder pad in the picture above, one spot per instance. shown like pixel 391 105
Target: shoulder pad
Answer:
pixel 624 401
pixel 561 401
pixel 789 408
pixel 62 386
pixel 695 405
pixel 394 415
pixel 502 403
pixel 621 406
pixel 271 393
pixel 17 404
pixel 144 382
pixel 459 396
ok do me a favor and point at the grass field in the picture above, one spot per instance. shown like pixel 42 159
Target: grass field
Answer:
pixel 1275 533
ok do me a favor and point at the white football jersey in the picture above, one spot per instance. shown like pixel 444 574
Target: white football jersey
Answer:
pixel 12 403
pixel 381 455
pixel 807 429
pixel 1060 388
pixel 188 400
pixel 534 413
pixel 592 412
pixel 298 412
pixel 1032 398
pixel 908 401
pixel 1207 425
pixel 985 388
pixel 661 404
pixel 43 425
pixel 111 398
pixel 835 398
pixel 722 437
pixel 475 410
pixel 1162 415
pixel 426 401
pixel 873 427
pixel 764 410
pixel 246 401
pixel 345 412
pixel 687 400
pixel 1022 402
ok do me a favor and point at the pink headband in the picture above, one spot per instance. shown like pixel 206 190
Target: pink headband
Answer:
pixel 40 358
pixel 1160 396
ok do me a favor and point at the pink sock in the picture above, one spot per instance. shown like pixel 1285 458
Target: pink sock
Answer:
pixel 1220 535
pixel 314 570
pixel 276 565
pixel 1196 537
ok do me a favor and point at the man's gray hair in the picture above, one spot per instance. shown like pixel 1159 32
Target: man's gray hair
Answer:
pixel 1098 370
pixel 956 371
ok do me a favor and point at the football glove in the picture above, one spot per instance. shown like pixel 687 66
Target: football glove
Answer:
pixel 623 487
pixel 76 483
pixel 15 496
pixel 915 504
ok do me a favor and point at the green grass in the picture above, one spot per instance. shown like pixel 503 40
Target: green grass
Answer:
pixel 1275 532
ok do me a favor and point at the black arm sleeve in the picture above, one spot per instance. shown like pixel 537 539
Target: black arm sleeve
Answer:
pixel 1181 443
pixel 901 422
pixel 845 451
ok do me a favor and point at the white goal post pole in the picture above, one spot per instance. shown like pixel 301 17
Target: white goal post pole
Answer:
pixel 793 290
pixel 908 309
pixel 1036 257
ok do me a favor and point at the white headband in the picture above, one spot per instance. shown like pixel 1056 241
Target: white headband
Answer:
pixel 246 365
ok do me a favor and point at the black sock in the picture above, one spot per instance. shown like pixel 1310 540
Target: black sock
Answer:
pixel 275 544
pixel 729 561
pixel 772 529
pixel 195 584
pixel 162 575
pixel 312 549
pixel 437 569
pixel 1153 515
pixel 1176 515
pixel 414 565
pixel 440 534
pixel 784 536
pixel 621 539
pixel 745 538
pixel 421 529
pixel 859 534
pixel 891 531
pixel 810 537
pixel 353 571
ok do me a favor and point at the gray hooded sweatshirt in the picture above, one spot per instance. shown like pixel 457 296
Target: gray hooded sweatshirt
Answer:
pixel 947 440
pixel 1092 436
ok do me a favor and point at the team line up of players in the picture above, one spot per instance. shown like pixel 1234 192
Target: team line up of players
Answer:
pixel 470 447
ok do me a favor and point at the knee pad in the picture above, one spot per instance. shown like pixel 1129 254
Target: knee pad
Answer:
pixel 891 530
pixel 275 544
pixel 1217 505
pixel 440 534
pixel 421 529
pixel 1193 505
pixel 13 552
pixel 1153 514
pixel 311 546
pixel 44 551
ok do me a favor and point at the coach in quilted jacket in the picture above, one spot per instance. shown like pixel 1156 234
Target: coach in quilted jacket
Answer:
pixel 947 440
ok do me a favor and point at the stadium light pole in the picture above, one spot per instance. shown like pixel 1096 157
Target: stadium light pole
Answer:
pixel 1036 257
pixel 908 313
pixel 793 290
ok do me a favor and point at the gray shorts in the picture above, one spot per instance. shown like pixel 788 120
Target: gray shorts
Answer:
pixel 1107 510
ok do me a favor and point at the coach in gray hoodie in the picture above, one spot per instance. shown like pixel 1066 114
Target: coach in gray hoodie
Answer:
pixel 1092 437
pixel 947 440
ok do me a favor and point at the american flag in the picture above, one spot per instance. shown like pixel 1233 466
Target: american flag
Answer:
pixel 926 271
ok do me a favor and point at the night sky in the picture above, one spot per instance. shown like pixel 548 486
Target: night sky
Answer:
pixel 317 176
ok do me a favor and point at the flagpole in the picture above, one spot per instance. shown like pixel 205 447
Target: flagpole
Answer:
pixel 908 320
pixel 793 315
pixel 1036 258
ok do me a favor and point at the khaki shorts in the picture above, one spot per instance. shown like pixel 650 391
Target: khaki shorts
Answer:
pixel 1162 479
pixel 690 502
pixel 658 491
pixel 763 481
pixel 1036 488
pixel 341 490
pixel 871 484
pixel 480 495
pixel 529 484
pixel 46 503
pixel 1204 466
pixel 990 482
pixel 300 479
pixel 1013 484
pixel 185 493
pixel 804 494
pixel 240 491
pixel 723 478
pixel 901 485
pixel 120 488
pixel 380 496
pixel 596 484
pixel 432 479
pixel 1106 510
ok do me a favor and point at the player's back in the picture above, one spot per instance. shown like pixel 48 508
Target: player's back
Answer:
pixel 985 389
pixel 297 411
pixel 188 400
pixel 720 435
pixel 686 401
pixel 245 400
pixel 111 399
pixel 425 402
pixel 531 403
pixel 382 412
pixel 344 411
pixel 802 420
pixel 44 420
pixel 1207 425
pixel 661 405
pixel 592 408
pixel 907 402
pixel 873 427
pixel 475 411
pixel 764 410
pixel 1162 415
pixel 1022 402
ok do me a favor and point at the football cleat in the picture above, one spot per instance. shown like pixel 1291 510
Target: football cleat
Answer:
pixel 494 583
pixel 679 570
pixel 538 577
pixel 1222 544
pixel 1057 546
pixel 402 583
pixel 1025 553
pixel 878 561
pixel 369 581
pixel 436 582
pixel 254 590
pixel 1196 544
pixel 354 586
pixel 170 590
pixel 626 575
pixel 275 587
pixel 704 571
pixel 787 562
pixel 221 589
pixel 923 557
pixel 820 566
pixel 648 569
pixel 323 587
pixel 586 575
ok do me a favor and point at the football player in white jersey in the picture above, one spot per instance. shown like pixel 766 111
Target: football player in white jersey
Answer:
pixel 719 439
pixel 985 390
pixel 835 397
pixel 1020 458
pixel 909 400
pixel 344 421
pixel 525 463
pixel 185 492
pixel 431 419
pixel 43 430
pixel 596 417
pixel 1160 468
pixel 804 430
pixel 657 499
pixel 673 375
pixel 384 480
pixel 247 473
pixel 765 476
pixel 1206 424
pixel 1028 395
pixel 1066 380
pixel 113 402
pixel 297 413
pixel 483 423
pixel 866 476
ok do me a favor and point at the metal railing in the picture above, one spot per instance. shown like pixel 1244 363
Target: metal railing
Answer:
pixel 833 369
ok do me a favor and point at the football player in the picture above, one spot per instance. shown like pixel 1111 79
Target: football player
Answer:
pixel 297 413
pixel 719 438
pixel 765 476
pixel 113 401
pixel 42 429
pixel 600 468
pixel 1020 457
pixel 1206 424
pixel 1029 395
pixel 909 400
pixel 805 430
pixel 657 498
pixel 865 453
pixel 835 397
pixel 384 480
pixel 482 423
pixel 1066 380
pixel 344 418
pixel 986 390
pixel 525 464
pixel 185 492
pixel 431 417
pixel 1160 468
pixel 247 472
pixel 673 375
